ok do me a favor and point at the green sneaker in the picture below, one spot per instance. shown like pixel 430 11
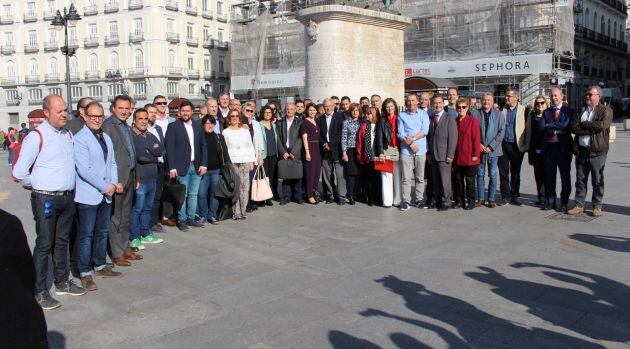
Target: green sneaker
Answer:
pixel 151 239
pixel 137 244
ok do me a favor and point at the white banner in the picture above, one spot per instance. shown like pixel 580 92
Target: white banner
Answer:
pixel 504 65
pixel 246 82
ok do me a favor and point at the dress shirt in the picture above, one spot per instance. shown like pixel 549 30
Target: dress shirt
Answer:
pixel 53 167
pixel 289 123
pixel 510 125
pixel 409 124
pixel 191 138
pixel 328 121
pixel 163 123
pixel 155 132
pixel 585 141
pixel 101 141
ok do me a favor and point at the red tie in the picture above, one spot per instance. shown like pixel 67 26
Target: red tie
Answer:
pixel 555 115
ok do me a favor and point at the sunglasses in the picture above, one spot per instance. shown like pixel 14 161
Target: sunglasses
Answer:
pixel 592 94
pixel 541 103
pixel 462 107
pixel 160 103
pixel 249 110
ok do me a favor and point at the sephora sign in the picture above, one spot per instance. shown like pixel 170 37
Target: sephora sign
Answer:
pixel 505 65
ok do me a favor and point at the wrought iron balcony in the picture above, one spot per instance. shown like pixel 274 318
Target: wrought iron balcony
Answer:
pixel 49 15
pixel 222 17
pixel 172 37
pixel 193 73
pixel 191 10
pixel 111 7
pixel 111 40
pixel 73 43
pixel 192 41
pixel 75 75
pixel 30 79
pixel 140 96
pixel 172 71
pixel 92 75
pixel 207 14
pixel 13 102
pixel 173 95
pixel 51 46
pixel 208 75
pixel 223 45
pixel 171 5
pixel 90 42
pixel 9 81
pixel 8 49
pixel 135 72
pixel 223 75
pixel 51 78
pixel 208 43
pixel 6 20
pixel 135 4
pixel 90 10
pixel 30 17
pixel 136 37
pixel 31 48
pixel 113 74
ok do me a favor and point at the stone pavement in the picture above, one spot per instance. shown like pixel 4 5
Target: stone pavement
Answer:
pixel 367 277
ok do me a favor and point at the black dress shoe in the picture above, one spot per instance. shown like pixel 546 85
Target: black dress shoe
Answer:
pixel 443 208
pixel 341 202
pixel 351 201
pixel 284 202
pixel 300 202
pixel 563 209
pixel 268 203
pixel 330 200
pixel 516 202
pixel 457 204
pixel 546 207
pixel 249 209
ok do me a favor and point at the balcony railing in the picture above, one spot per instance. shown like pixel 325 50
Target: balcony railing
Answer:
pixel 91 75
pixel 6 20
pixel 31 48
pixel 13 102
pixel 90 42
pixel 172 37
pixel 51 78
pixel 193 73
pixel 75 75
pixel 73 43
pixel 111 40
pixel 49 15
pixel 9 81
pixel 171 5
pixel 111 7
pixel 113 74
pixel 208 43
pixel 192 41
pixel 136 71
pixel 136 37
pixel 191 10
pixel 51 46
pixel 221 17
pixel 172 71
pixel 140 96
pixel 30 79
pixel 222 45
pixel 34 101
pixel 30 17
pixel 7 49
pixel 208 75
pixel 90 10
pixel 135 4
pixel 172 95
pixel 207 14
pixel 223 75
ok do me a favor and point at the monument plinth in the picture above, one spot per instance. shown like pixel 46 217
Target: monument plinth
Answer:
pixel 353 51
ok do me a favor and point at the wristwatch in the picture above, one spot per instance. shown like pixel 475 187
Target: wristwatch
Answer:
pixel 413 139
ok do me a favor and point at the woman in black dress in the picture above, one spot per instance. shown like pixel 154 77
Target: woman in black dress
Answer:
pixel 313 163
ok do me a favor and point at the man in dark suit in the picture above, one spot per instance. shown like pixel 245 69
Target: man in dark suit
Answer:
pixel 290 146
pixel 557 150
pixel 442 142
pixel 592 133
pixel 223 110
pixel 330 125
pixel 78 121
pixel 187 161
pixel 117 129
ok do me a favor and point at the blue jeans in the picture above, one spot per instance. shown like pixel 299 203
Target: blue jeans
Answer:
pixel 10 157
pixel 191 180
pixel 492 163
pixel 209 183
pixel 141 210
pixel 92 236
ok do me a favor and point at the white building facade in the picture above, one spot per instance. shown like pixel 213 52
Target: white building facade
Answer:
pixel 177 48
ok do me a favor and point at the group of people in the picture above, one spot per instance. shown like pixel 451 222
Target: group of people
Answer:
pixel 99 183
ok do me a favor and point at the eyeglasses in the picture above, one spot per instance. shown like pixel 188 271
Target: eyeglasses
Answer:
pixel 160 103
pixel 95 117
pixel 541 103
pixel 249 110
pixel 462 107
pixel 592 94
pixel 83 106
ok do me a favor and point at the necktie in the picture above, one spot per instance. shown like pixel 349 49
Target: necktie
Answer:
pixel 555 115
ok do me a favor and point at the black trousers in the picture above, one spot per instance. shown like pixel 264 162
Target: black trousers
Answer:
pixel 465 183
pixel 510 170
pixel 428 180
pixel 270 165
pixel 538 162
pixel 442 188
pixel 156 210
pixel 54 216
pixel 557 161
pixel 371 184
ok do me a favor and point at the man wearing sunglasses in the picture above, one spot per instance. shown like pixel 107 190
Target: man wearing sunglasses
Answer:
pixel 592 130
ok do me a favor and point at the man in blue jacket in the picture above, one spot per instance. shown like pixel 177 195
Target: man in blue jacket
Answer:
pixel 96 183
pixel 187 161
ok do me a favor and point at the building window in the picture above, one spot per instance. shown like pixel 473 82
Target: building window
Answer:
pixel 192 88
pixel 221 88
pixel 35 94
pixel 206 63
pixel 14 118
pixel 93 31
pixel 74 64
pixel 55 91
pixel 139 88
pixel 8 38
pixel 32 38
pixel 220 35
pixel 77 92
pixel 206 33
pixel 51 5
pixel 170 26
pixel 191 61
pixel 171 58
pixel 114 89
pixel 113 61
pixel 10 69
pixel 31 10
pixel 11 95
pixel 72 35
pixel 222 64
pixel 113 29
pixel 52 36
pixel 53 66
pixel 204 5
pixel 95 91
pixel 33 67
pixel 171 88
pixel 93 62
pixel 138 59
pixel 7 10
pixel 602 23
pixel 137 25
pixel 219 7
pixel 595 21
pixel 190 30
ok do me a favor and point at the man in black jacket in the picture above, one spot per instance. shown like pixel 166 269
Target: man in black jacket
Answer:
pixel 330 125
pixel 592 131
pixel 290 146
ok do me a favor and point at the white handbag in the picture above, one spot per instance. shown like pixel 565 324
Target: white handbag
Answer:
pixel 261 190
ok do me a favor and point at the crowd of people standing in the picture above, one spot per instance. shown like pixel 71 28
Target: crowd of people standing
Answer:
pixel 99 183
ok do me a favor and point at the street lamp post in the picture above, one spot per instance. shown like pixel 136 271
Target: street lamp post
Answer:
pixel 69 18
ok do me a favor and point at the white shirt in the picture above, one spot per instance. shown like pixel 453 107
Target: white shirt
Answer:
pixel 585 141
pixel 438 116
pixel 154 132
pixel 240 146
pixel 163 123
pixel 191 139
pixel 328 121
pixel 289 123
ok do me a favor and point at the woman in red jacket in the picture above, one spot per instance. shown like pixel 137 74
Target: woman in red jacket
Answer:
pixel 467 155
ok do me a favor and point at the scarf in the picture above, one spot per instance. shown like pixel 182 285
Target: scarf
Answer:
pixel 368 150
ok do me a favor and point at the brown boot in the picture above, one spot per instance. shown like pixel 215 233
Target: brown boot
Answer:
pixel 88 283
pixel 132 256
pixel 576 210
pixel 492 204
pixel 479 203
pixel 597 212
pixel 121 262
pixel 107 272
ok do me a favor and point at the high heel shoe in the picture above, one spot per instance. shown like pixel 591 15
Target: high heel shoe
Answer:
pixel 312 201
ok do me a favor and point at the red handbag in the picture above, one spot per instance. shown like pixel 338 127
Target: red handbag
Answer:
pixel 384 166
